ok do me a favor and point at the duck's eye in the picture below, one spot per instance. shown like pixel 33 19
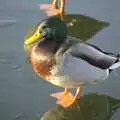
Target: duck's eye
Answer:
pixel 47 30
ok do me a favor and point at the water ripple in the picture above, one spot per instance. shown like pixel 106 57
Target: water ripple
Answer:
pixel 7 23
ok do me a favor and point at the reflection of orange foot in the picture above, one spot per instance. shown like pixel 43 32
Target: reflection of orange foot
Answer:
pixel 50 9
pixel 46 6
pixel 52 12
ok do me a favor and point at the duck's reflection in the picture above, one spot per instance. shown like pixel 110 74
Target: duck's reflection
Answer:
pixel 89 107
pixel 83 27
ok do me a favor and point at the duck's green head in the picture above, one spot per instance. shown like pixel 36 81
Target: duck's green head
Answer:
pixel 51 28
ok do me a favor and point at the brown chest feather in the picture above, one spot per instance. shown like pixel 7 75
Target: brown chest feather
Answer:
pixel 42 57
pixel 42 67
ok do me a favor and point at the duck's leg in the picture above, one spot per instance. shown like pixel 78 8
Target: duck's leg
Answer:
pixel 67 100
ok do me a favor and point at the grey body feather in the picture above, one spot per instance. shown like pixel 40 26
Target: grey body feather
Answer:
pixel 79 63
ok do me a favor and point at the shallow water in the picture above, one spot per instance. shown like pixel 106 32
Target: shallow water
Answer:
pixel 23 95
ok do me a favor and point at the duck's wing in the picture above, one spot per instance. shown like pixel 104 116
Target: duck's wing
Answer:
pixel 93 55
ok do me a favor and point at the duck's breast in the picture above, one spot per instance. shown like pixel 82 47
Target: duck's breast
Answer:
pixel 41 62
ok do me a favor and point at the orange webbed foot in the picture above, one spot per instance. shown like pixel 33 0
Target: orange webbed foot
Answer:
pixel 61 95
pixel 65 99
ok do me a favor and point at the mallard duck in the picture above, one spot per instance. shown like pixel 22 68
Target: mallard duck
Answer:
pixel 67 63
pixel 55 8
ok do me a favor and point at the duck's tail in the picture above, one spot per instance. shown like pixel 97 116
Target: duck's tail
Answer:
pixel 116 64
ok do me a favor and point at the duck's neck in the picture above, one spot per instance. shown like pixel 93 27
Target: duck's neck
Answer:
pixel 49 46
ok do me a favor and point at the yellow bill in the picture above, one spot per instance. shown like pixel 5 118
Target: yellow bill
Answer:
pixel 34 38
